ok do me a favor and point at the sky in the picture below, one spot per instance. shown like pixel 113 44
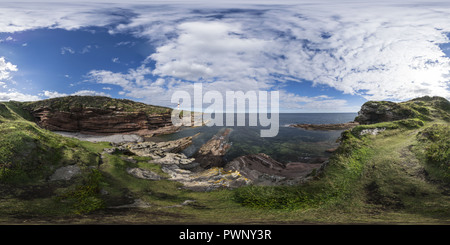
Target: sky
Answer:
pixel 321 56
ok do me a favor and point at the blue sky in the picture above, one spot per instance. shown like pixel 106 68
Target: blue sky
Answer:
pixel 322 56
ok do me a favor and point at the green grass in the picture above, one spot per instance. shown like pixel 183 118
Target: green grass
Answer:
pixel 369 179
pixel 434 149
pixel 399 176
pixel 69 103
pixel 29 155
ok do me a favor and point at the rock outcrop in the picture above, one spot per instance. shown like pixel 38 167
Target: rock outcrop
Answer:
pixel 261 169
pixel 178 166
pixel 156 150
pixel 383 111
pixel 101 121
pixel 143 174
pixel 424 108
pixel 212 152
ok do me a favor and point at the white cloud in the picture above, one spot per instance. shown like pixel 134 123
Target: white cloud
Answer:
pixel 68 50
pixel 86 49
pixel 115 60
pixel 21 16
pixel 320 103
pixel 6 68
pixel 379 50
pixel 210 50
pixel 387 50
pixel 17 96
pixel 90 93
pixel 54 94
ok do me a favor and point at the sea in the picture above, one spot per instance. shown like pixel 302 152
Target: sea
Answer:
pixel 289 145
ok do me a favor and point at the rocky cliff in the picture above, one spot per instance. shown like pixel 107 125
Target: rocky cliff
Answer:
pixel 100 115
pixel 423 108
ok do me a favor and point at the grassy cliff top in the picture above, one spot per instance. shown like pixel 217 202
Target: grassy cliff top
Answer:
pixel 99 102
pixel 424 108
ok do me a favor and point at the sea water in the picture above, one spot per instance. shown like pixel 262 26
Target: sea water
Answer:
pixel 289 145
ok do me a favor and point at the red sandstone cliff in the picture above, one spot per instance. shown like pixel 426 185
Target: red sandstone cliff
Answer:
pixel 101 119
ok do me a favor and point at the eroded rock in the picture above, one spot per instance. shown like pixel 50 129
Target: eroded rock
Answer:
pixel 261 169
pixel 212 152
pixel 206 180
pixel 110 120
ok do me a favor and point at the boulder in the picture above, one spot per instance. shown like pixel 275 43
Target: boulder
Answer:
pixel 66 173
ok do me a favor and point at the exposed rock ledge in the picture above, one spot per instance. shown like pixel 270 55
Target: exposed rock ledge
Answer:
pixel 107 121
pixel 337 126
pixel 263 170
pixel 257 169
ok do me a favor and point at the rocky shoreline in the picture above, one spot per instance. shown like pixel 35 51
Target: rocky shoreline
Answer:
pixel 206 170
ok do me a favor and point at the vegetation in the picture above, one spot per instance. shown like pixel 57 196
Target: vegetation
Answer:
pixel 29 155
pixel 435 148
pixel 85 198
pixel 392 172
pixel 400 175
pixel 98 102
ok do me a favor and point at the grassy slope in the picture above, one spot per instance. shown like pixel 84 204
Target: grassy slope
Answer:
pixel 29 155
pixel 397 176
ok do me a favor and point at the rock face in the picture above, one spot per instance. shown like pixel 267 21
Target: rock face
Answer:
pixel 263 170
pixel 100 121
pixel 382 111
pixel 212 152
